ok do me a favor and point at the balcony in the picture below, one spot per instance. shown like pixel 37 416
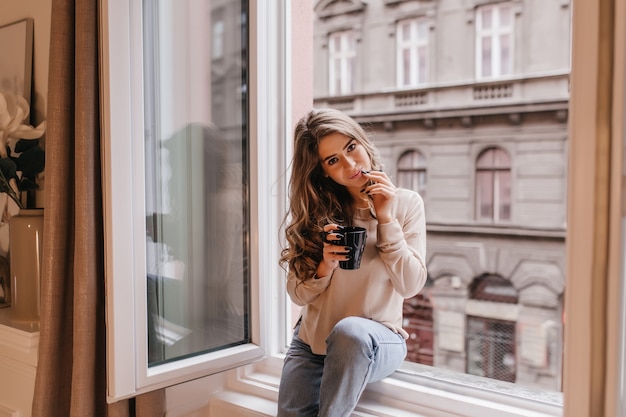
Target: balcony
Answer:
pixel 530 93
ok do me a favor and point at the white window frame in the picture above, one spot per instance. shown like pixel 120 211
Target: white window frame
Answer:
pixel 494 34
pixel 412 45
pixel 122 135
pixel 345 56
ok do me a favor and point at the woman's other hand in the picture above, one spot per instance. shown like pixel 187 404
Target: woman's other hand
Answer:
pixel 332 253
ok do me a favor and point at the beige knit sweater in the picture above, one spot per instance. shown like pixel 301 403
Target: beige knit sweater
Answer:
pixel 393 268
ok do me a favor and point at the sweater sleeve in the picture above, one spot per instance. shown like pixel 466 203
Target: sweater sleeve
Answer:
pixel 305 292
pixel 402 246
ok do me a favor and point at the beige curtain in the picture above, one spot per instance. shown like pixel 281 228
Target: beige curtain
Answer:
pixel 71 371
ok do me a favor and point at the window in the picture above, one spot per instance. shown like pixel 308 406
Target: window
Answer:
pixel 182 301
pixel 494 40
pixel 493 185
pixel 428 391
pixel 412 172
pixel 490 340
pixel 412 55
pixel 195 204
pixel 342 62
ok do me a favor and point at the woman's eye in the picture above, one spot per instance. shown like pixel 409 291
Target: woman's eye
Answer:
pixel 351 146
pixel 332 161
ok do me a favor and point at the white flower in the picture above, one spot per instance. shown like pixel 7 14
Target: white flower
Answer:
pixel 13 112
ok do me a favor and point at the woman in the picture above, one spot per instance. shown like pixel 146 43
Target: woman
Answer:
pixel 350 331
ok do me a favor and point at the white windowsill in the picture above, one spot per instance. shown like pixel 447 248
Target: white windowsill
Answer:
pixel 422 391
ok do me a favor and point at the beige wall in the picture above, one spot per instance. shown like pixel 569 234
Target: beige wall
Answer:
pixel 40 11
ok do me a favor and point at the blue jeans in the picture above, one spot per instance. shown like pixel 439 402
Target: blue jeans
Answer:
pixel 358 351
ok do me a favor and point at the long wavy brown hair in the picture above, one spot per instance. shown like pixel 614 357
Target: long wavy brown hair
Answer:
pixel 315 199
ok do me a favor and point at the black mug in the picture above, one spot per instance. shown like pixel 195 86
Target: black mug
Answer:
pixel 353 237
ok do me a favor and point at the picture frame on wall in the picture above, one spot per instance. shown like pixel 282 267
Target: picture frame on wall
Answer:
pixel 16 50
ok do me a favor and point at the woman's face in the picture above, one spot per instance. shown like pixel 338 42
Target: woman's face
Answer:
pixel 342 159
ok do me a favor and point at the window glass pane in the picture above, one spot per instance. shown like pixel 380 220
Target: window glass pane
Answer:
pixel 486 57
pixel 350 43
pixel 505 16
pixel 349 77
pixel 500 158
pixel 196 178
pixel 493 288
pixel 406 67
pixel 421 70
pixel 486 159
pixel 505 54
pixel 504 195
pixel 474 129
pixel 422 31
pixel 405 30
pixel 484 194
pixel 486 16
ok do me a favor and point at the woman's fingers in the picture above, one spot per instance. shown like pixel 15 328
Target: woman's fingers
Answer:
pixel 332 226
pixel 336 253
pixel 379 177
pixel 379 184
pixel 387 191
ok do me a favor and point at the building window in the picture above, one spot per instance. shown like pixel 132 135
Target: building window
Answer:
pixel 494 40
pixel 490 341
pixel 493 185
pixel 412 54
pixel 342 62
pixel 412 172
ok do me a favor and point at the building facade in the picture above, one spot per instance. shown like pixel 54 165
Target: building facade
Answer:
pixel 468 102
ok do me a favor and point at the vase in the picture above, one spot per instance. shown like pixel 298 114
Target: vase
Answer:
pixel 25 250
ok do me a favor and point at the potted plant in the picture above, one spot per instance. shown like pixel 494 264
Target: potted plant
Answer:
pixel 21 156
pixel 22 159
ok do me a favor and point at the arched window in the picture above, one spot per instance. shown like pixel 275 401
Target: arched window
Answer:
pixel 493 185
pixel 493 288
pixel 412 172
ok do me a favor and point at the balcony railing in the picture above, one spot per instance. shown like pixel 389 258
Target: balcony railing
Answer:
pixel 532 92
